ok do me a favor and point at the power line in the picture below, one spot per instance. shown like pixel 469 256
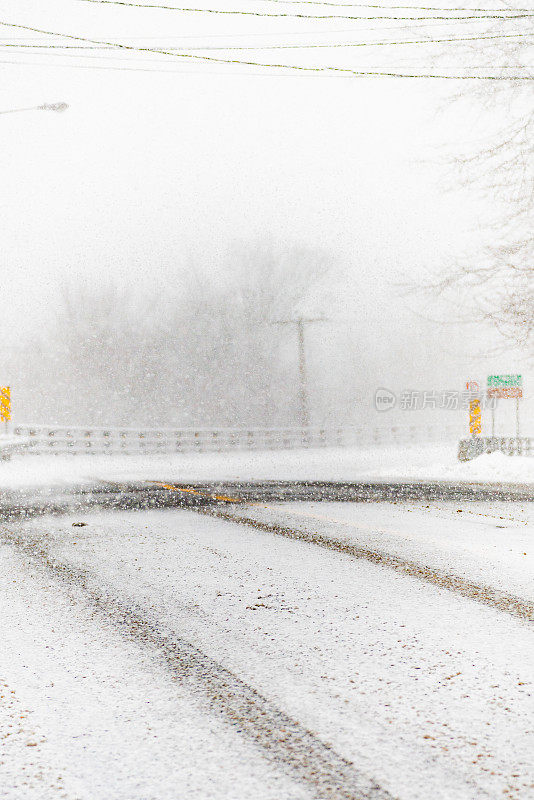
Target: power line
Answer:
pixel 292 67
pixel 270 74
pixel 392 8
pixel 125 58
pixel 296 16
pixel 283 46
pixel 410 27
pixel 137 69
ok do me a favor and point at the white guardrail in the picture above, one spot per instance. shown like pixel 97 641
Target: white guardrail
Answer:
pixel 42 439
pixel 509 445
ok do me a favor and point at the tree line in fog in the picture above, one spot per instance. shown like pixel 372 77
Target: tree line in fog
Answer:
pixel 207 351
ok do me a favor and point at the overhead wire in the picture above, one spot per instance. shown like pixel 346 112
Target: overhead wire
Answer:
pixel 124 58
pixel 389 7
pixel 409 27
pixel 127 59
pixel 141 69
pixel 268 14
pixel 188 71
pixel 289 67
pixel 310 46
pixel 66 51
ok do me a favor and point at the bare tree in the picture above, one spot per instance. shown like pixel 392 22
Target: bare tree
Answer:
pixel 495 285
pixel 207 355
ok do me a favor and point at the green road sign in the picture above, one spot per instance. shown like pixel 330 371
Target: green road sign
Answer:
pixel 497 381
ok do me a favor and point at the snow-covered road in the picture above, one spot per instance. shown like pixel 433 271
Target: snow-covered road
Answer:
pixel 484 545
pixel 169 654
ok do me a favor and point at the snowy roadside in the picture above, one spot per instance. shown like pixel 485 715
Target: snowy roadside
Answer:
pixel 428 692
pixel 421 462
pixel 86 713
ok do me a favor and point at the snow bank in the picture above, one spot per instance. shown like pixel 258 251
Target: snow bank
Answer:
pixel 496 467
pixel 418 462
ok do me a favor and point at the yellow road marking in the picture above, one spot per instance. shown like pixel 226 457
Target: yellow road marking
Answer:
pixel 319 517
pixel 197 492
pixel 362 527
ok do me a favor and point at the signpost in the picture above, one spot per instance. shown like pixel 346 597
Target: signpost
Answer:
pixel 505 387
pixel 5 404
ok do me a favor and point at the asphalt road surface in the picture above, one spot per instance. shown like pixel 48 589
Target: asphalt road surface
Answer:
pixel 267 640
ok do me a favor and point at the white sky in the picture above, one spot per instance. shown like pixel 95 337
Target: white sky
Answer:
pixel 148 170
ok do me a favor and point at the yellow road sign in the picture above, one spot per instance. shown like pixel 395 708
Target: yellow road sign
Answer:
pixel 5 403
pixel 475 417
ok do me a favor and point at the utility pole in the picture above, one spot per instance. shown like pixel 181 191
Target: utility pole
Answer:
pixel 303 377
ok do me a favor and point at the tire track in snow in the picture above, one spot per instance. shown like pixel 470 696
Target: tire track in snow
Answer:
pixel 487 595
pixel 283 739
pixel 128 497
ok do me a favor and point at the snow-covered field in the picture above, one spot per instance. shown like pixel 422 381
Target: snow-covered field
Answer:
pixel 418 462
